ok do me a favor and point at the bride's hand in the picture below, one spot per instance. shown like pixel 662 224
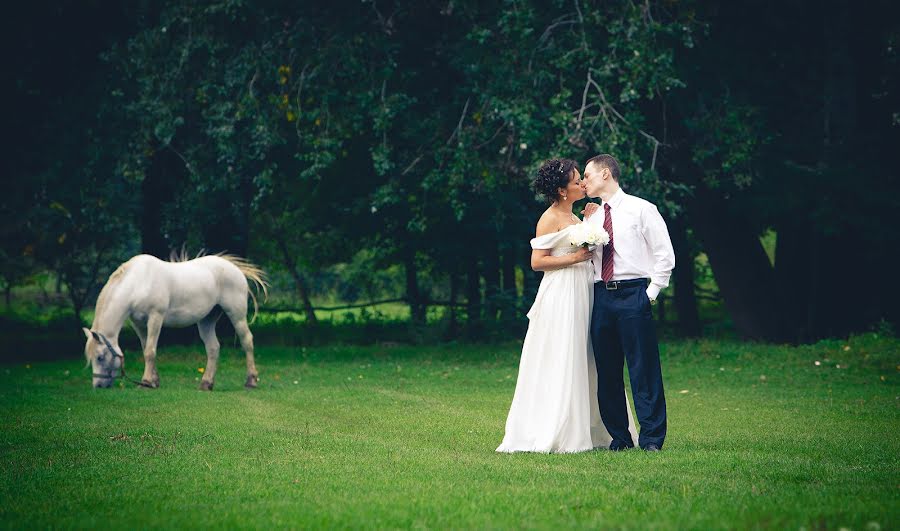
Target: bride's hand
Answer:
pixel 582 255
pixel 589 209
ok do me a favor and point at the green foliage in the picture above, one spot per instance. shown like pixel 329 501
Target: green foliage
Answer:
pixel 312 134
pixel 404 137
pixel 729 137
pixel 452 134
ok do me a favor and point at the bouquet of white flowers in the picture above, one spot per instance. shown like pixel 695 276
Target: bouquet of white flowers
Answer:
pixel 588 235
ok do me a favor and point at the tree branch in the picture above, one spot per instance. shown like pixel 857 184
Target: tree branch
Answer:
pixel 411 165
pixel 359 305
pixel 491 139
pixel 617 114
pixel 252 82
pixel 459 125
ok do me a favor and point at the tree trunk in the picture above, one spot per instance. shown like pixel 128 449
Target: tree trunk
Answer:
pixel 452 329
pixel 413 297
pixel 157 190
pixel 473 297
pixel 530 279
pixel 224 232
pixel 77 302
pixel 79 296
pixel 228 217
pixel 510 293
pixel 492 283
pixel 796 275
pixel 685 297
pixel 299 280
pixel 742 269
pixel 832 309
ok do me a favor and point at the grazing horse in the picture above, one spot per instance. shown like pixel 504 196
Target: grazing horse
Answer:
pixel 153 293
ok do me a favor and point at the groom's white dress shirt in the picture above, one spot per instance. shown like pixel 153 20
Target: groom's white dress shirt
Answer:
pixel 641 241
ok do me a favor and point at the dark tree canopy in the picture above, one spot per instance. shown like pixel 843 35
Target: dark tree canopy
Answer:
pixel 375 135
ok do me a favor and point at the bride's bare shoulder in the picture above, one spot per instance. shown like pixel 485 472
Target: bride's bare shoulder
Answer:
pixel 549 222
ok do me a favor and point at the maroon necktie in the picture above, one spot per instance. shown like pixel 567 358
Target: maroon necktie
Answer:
pixel 606 266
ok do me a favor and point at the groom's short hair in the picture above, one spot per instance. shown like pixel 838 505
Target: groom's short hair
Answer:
pixel 606 161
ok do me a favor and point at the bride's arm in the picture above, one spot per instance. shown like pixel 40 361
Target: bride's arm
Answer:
pixel 541 259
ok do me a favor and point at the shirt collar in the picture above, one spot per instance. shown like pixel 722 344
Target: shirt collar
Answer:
pixel 617 198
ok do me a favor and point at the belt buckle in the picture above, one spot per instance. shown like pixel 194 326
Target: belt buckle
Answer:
pixel 612 285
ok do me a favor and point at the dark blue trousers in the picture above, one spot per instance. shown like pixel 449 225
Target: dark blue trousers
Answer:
pixel 622 329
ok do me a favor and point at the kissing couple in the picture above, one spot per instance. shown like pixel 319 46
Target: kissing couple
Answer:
pixel 590 315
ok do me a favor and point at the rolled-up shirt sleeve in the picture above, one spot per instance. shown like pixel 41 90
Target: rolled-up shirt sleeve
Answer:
pixel 656 234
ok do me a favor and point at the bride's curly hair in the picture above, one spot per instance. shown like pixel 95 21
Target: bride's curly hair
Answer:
pixel 553 175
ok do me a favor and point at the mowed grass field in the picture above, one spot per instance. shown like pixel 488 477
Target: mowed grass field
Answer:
pixel 760 436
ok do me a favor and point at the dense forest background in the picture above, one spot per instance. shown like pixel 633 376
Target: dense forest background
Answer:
pixel 367 151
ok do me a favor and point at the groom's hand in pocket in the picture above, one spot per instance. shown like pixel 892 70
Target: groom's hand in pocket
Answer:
pixel 589 209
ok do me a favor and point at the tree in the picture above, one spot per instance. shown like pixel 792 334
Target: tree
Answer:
pixel 750 142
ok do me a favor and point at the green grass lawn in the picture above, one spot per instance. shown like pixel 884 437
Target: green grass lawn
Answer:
pixel 759 436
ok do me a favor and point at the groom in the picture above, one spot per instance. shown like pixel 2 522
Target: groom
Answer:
pixel 629 273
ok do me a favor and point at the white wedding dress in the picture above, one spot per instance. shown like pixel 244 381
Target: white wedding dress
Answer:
pixel 554 408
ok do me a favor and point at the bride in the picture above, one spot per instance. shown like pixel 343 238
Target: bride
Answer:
pixel 554 408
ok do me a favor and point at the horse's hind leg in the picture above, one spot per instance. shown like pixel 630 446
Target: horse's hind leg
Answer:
pixel 207 327
pixel 154 326
pixel 239 322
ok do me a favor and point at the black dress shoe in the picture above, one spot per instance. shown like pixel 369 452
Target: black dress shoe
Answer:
pixel 618 446
pixel 651 448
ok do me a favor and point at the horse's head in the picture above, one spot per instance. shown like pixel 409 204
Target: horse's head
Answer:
pixel 103 357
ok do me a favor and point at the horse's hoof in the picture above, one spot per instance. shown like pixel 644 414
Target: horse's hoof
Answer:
pixel 151 384
pixel 252 380
pixel 206 386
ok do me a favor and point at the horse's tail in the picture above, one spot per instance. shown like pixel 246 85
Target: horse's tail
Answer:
pixel 254 274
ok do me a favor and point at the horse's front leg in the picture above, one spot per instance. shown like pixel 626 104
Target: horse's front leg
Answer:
pixel 207 327
pixel 141 330
pixel 154 326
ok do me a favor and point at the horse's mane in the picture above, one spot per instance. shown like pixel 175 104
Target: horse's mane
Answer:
pixel 111 282
pixel 103 299
pixel 181 255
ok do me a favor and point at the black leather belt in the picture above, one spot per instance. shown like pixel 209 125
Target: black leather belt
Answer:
pixel 613 285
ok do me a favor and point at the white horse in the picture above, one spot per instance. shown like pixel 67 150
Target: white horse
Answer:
pixel 153 293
